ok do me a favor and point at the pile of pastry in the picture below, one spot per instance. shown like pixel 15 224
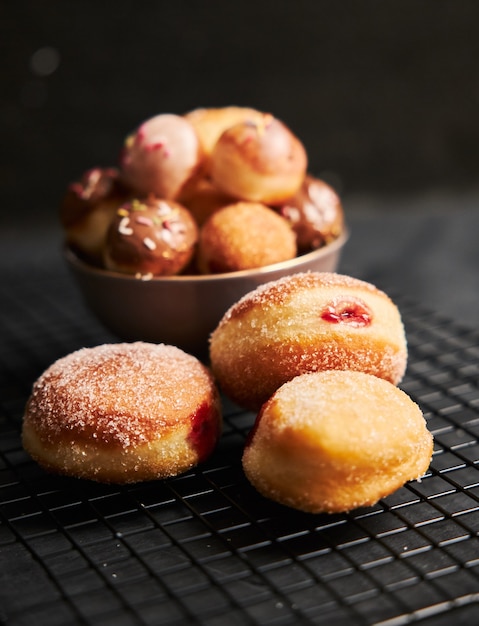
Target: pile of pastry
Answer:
pixel 318 356
pixel 214 190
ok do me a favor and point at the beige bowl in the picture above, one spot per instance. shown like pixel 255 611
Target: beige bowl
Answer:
pixel 181 310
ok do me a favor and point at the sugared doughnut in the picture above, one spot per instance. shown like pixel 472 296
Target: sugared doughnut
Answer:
pixel 150 237
pixel 260 161
pixel 123 413
pixel 88 208
pixel 210 123
pixel 305 322
pixel 243 236
pixel 337 440
pixel 161 156
pixel 315 213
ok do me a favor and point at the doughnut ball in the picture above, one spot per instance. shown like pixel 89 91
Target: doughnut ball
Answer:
pixel 336 440
pixel 202 198
pixel 87 210
pixel 123 413
pixel 150 237
pixel 315 213
pixel 259 161
pixel 210 123
pixel 301 323
pixel 243 236
pixel 160 156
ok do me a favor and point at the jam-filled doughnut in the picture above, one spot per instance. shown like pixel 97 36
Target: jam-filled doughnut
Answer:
pixel 87 209
pixel 122 413
pixel 161 156
pixel 242 236
pixel 259 161
pixel 336 440
pixel 315 213
pixel 306 322
pixel 150 237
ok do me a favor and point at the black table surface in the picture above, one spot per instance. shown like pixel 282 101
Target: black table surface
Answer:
pixel 204 547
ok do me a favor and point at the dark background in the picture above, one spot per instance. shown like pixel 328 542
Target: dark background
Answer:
pixel 384 94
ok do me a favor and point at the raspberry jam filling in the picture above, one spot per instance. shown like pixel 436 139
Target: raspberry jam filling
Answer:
pixel 347 310
pixel 204 432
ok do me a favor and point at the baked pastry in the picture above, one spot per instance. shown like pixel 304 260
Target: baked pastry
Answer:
pixel 243 236
pixel 161 156
pixel 150 237
pixel 305 322
pixel 87 209
pixel 210 123
pixel 336 440
pixel 315 213
pixel 259 161
pixel 122 413
pixel 202 198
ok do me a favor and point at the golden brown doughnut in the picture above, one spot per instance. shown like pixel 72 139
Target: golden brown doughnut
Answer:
pixel 336 440
pixel 122 413
pixel 259 161
pixel 210 123
pixel 315 213
pixel 150 237
pixel 87 210
pixel 305 322
pixel 161 156
pixel 202 198
pixel 243 236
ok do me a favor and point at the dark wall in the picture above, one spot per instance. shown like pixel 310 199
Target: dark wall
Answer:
pixel 384 94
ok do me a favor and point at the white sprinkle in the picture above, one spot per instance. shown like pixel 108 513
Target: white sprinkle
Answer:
pixel 147 276
pixel 163 208
pixel 166 235
pixel 149 243
pixel 123 227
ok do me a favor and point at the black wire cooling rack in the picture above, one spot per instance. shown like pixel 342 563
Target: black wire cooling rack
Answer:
pixel 205 548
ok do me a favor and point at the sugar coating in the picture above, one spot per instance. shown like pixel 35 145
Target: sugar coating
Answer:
pixel 276 292
pixel 242 236
pixel 335 440
pixel 120 394
pixel 347 405
pixel 278 331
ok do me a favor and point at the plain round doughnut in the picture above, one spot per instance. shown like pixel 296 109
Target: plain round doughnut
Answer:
pixel 123 413
pixel 242 236
pixel 305 322
pixel 337 440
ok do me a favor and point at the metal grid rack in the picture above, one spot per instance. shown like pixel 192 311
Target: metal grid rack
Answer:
pixel 204 547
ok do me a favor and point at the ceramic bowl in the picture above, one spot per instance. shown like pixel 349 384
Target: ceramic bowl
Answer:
pixel 181 310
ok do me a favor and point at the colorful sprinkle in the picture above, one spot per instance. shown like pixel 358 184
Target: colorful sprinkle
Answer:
pixel 136 205
pixel 144 221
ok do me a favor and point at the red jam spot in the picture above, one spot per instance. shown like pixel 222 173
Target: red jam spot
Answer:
pixel 204 432
pixel 350 310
